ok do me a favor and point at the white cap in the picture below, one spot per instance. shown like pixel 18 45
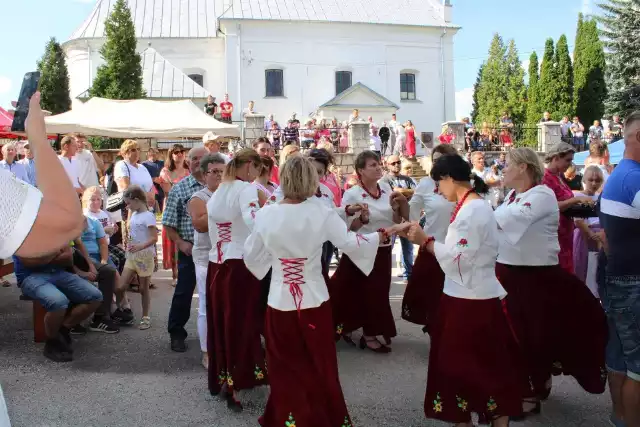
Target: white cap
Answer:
pixel 209 136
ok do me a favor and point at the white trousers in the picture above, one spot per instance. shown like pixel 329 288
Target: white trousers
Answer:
pixel 201 282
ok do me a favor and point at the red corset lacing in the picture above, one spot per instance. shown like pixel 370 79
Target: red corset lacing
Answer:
pixel 224 236
pixel 292 269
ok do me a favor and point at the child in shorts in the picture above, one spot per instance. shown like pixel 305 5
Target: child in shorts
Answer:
pixel 143 235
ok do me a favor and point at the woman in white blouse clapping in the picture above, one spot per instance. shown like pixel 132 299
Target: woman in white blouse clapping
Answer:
pixel 361 300
pixel 236 356
pixel 474 359
pixel 299 332
pixel 560 325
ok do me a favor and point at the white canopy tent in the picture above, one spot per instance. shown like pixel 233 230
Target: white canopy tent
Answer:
pixel 139 118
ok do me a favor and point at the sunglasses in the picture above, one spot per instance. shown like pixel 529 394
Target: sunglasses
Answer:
pixel 178 152
pixel 394 163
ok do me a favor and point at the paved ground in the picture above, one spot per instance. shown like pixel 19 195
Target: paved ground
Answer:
pixel 133 379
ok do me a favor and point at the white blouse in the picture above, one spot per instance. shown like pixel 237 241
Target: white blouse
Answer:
pixel 19 205
pixel 468 255
pixel 137 174
pixel 437 209
pixel 380 212
pixel 232 210
pixel 289 238
pixel 529 228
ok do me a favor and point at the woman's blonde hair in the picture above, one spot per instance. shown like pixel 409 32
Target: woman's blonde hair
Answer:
pixel 298 178
pixel 561 149
pixel 242 157
pixel 87 193
pixel 127 145
pixel 288 151
pixel 593 169
pixel 526 156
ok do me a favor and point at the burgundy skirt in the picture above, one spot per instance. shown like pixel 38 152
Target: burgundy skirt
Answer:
pixel 303 370
pixel 561 327
pixel 424 290
pixel 360 301
pixel 236 356
pixel 474 363
pixel 212 269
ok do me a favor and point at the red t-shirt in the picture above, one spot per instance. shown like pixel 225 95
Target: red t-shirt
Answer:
pixel 224 105
pixel 275 175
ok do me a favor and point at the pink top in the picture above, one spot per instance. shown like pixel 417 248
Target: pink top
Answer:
pixel 344 139
pixel 566 226
pixel 166 176
pixel 331 182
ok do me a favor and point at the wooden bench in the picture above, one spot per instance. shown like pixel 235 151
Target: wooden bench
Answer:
pixel 39 334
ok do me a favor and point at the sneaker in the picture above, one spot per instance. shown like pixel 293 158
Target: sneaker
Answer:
pixel 78 330
pixel 104 326
pixel 123 317
pixel 145 323
pixel 54 351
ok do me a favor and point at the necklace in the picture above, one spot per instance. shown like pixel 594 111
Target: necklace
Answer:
pixel 380 192
pixel 459 205
pixel 512 197
pixel 238 178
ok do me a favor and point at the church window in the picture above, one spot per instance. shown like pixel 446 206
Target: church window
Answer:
pixel 197 78
pixel 343 81
pixel 274 82
pixel 407 86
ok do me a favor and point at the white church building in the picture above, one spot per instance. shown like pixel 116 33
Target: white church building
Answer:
pixel 311 57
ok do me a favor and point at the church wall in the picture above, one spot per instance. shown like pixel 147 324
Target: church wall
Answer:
pixel 310 53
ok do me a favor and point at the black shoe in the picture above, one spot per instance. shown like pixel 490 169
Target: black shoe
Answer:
pixel 53 350
pixel 179 345
pixel 104 326
pixel 78 330
pixel 123 317
pixel 64 339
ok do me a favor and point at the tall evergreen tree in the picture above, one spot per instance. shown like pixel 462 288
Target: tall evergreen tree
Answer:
pixel 534 111
pixel 476 86
pixel 548 84
pixel 621 22
pixel 121 75
pixel 491 96
pixel 589 91
pixel 54 80
pixel 516 89
pixel 564 76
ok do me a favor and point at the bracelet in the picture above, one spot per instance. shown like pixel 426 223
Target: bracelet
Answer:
pixel 385 235
pixel 429 240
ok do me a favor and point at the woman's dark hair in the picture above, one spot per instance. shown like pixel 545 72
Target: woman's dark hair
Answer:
pixel 364 157
pixel 171 164
pixel 322 156
pixel 443 149
pixel 267 165
pixel 455 167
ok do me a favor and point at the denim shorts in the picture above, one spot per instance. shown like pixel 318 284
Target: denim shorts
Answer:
pixel 620 297
pixel 57 289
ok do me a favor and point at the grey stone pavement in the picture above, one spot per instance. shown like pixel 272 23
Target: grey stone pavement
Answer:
pixel 134 379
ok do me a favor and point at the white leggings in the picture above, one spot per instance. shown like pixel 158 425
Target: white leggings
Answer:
pixel 201 282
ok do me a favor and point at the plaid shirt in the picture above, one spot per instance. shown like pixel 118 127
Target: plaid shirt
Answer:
pixel 175 213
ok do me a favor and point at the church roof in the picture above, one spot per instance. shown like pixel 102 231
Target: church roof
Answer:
pixel 162 80
pixel 359 95
pixel 198 18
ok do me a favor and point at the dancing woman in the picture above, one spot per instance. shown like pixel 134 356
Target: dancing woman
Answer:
pixel 236 355
pixel 554 315
pixel 299 331
pixel 474 360
pixel 362 301
pixel 425 285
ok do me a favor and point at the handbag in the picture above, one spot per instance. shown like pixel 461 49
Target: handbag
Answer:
pixel 115 201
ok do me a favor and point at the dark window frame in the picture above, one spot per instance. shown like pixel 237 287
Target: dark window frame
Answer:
pixel 199 78
pixel 408 87
pixel 340 83
pixel 269 82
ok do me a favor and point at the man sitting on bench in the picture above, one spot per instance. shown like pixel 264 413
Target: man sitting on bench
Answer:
pixel 67 298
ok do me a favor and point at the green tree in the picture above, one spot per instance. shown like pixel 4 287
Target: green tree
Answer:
pixel 476 86
pixel 534 110
pixel 54 80
pixel 121 75
pixel 621 32
pixel 516 89
pixel 564 79
pixel 491 95
pixel 548 85
pixel 590 90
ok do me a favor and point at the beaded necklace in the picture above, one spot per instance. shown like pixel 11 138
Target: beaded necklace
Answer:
pixel 380 192
pixel 459 205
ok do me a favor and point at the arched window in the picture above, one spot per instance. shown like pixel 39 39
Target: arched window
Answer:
pixel 197 78
pixel 407 86
pixel 274 82
pixel 343 81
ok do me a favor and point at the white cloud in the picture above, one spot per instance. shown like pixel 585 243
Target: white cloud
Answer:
pixel 464 102
pixel 586 7
pixel 5 84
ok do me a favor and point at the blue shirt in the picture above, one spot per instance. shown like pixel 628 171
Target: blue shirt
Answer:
pixel 91 235
pixel 17 169
pixel 620 218
pixel 30 167
pixel 154 169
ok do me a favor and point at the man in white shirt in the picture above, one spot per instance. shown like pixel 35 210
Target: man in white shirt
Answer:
pixel 392 136
pixel 488 175
pixel 68 149
pixel 89 163
pixel 211 142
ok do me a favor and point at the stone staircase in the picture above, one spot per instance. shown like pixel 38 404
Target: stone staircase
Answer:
pixel 418 172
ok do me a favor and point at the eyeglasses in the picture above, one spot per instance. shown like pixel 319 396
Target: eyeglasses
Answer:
pixel 215 172
pixel 178 152
pixel 394 163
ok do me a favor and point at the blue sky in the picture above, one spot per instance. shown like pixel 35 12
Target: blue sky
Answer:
pixel 28 24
